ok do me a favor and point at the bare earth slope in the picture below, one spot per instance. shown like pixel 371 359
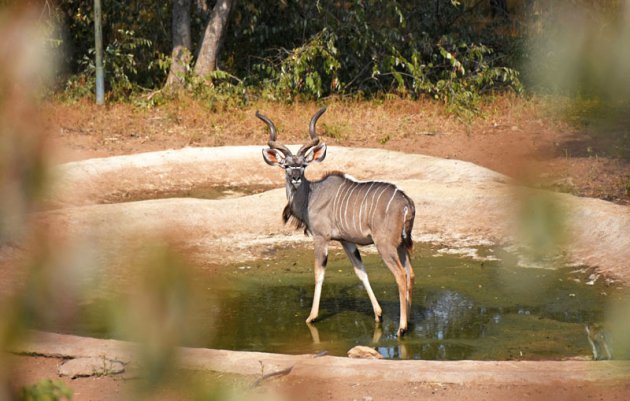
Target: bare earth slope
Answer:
pixel 457 202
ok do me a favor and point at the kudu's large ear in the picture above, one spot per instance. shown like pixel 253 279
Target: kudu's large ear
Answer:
pixel 273 157
pixel 316 153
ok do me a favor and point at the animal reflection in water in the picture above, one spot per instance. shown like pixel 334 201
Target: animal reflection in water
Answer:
pixel 445 315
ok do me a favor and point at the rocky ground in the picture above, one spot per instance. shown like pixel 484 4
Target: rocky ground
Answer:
pixel 256 376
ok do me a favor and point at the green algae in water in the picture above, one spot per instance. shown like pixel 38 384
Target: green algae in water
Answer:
pixel 462 309
pixel 209 191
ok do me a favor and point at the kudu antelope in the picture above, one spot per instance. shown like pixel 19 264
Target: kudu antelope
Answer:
pixel 338 207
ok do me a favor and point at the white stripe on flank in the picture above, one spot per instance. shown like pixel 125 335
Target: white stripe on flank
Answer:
pixel 376 204
pixel 342 196
pixel 369 212
pixel 373 204
pixel 345 213
pixel 390 200
pixel 361 208
pixel 335 201
pixel 356 212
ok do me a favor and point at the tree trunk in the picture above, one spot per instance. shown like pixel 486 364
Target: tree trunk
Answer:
pixel 213 37
pixel 181 55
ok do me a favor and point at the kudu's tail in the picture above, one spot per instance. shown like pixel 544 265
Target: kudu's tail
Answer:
pixel 409 214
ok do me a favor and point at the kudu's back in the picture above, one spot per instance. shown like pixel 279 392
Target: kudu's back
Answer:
pixel 361 212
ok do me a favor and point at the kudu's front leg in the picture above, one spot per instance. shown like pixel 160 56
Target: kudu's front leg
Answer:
pixel 359 269
pixel 321 259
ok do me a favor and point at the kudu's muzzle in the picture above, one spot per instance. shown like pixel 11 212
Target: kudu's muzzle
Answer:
pixel 295 174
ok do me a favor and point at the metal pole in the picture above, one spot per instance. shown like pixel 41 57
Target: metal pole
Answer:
pixel 98 39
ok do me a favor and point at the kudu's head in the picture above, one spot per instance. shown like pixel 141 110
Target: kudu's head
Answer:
pixel 279 155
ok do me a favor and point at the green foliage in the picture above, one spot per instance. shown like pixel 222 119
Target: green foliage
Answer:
pixel 370 48
pixel 441 49
pixel 46 390
pixel 120 61
pixel 456 73
pixel 309 71
pixel 136 38
pixel 219 89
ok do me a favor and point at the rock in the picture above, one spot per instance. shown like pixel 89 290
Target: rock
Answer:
pixel 361 351
pixel 85 367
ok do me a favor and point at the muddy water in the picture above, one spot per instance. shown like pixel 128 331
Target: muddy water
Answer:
pixel 199 191
pixel 463 308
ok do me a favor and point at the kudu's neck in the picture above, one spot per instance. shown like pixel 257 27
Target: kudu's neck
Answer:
pixel 298 199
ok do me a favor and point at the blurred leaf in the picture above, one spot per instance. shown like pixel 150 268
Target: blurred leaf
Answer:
pixel 46 390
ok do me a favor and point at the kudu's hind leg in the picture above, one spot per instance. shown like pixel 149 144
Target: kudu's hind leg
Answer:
pixel 359 270
pixel 405 259
pixel 390 257
pixel 319 268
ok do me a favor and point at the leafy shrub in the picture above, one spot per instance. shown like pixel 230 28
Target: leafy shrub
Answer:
pixel 457 73
pixel 285 50
pixel 369 48
pixel 46 390
pixel 309 71
pixel 136 36
pixel 120 65
pixel 218 89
